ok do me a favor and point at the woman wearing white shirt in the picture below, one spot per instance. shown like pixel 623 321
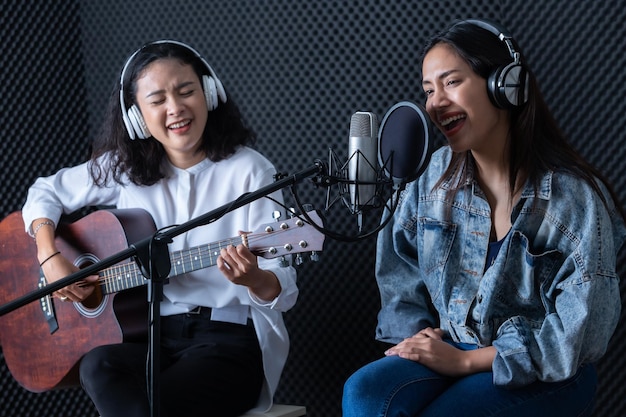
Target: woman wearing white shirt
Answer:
pixel 175 145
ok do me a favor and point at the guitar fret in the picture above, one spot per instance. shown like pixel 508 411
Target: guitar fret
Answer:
pixel 137 277
pixel 128 276
pixel 120 278
pixel 197 259
pixel 175 260
pixel 113 279
pixel 104 282
pixel 214 249
pixel 212 253
pixel 108 282
pixel 116 279
pixel 193 264
pixel 192 261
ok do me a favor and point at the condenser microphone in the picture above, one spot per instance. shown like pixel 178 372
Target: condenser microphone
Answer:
pixel 404 142
pixel 362 160
pixel 402 148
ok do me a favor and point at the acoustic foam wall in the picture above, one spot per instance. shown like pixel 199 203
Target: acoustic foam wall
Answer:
pixel 43 126
pixel 298 70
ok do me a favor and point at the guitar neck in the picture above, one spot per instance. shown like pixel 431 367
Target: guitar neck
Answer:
pixel 270 240
pixel 128 275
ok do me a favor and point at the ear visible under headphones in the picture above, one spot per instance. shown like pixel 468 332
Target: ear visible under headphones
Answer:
pixel 211 85
pixel 507 86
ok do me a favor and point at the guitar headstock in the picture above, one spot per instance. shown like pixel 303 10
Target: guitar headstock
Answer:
pixel 287 237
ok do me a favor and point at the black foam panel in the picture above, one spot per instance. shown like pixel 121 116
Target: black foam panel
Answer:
pixel 298 70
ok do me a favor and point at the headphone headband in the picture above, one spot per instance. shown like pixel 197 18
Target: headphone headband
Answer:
pixel 163 42
pixel 500 32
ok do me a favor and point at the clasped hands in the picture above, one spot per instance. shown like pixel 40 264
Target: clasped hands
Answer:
pixel 428 348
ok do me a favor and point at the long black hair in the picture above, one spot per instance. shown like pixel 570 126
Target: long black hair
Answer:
pixel 141 160
pixel 536 142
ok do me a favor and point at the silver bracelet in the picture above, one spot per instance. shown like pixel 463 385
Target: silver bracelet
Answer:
pixel 40 225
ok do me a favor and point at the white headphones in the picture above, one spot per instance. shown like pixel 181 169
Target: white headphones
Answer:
pixel 133 120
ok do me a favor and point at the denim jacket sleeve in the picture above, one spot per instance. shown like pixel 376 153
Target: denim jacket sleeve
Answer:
pixel 579 287
pixel 405 303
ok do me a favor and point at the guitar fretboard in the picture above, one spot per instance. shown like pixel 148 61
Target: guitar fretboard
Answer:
pixel 128 275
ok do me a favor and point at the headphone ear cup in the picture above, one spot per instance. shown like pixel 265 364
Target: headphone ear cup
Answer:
pixel 508 86
pixel 493 89
pixel 221 92
pixel 128 124
pixel 210 92
pixel 138 123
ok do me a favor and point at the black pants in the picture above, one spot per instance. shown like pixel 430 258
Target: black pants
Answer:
pixel 208 369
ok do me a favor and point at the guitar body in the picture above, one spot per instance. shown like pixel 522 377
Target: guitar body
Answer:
pixel 43 342
pixel 41 356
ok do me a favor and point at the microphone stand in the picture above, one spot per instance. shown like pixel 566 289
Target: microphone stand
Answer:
pixel 152 255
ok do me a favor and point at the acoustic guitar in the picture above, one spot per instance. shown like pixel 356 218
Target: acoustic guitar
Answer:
pixel 44 341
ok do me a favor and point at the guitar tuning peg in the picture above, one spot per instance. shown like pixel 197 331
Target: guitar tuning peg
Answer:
pixel 299 260
pixel 283 262
pixel 315 256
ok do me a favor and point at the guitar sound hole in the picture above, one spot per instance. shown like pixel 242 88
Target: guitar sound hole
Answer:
pixel 94 300
pixel 93 304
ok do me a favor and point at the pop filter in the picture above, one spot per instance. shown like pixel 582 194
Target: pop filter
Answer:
pixel 404 142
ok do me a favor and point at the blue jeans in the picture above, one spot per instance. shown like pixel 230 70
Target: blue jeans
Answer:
pixel 396 387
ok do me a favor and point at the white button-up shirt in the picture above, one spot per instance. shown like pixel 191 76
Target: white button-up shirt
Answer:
pixel 183 195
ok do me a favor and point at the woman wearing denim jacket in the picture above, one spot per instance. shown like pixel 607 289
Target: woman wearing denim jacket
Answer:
pixel 497 272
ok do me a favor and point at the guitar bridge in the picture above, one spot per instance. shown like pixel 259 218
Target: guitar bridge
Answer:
pixel 47 306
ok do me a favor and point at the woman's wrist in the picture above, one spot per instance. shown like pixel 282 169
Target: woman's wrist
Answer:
pixel 43 223
pixel 49 257
pixel 269 288
pixel 480 360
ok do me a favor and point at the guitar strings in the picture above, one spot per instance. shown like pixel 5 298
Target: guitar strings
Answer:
pixel 116 275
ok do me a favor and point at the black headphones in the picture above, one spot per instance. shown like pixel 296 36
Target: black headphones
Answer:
pixel 507 85
pixel 211 85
